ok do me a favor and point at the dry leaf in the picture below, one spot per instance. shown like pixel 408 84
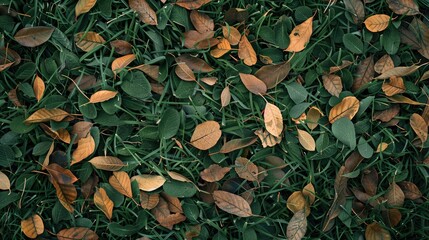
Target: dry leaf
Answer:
pixel 46 161
pixel 392 216
pixel 377 22
pixel 32 226
pixel 148 182
pixel 375 232
pixel 87 41
pixel 66 193
pixel 273 119
pixel 425 76
pixel 145 12
pixel 300 36
pixel 107 163
pixel 381 147
pixel 340 187
pixel 194 63
pixel 88 187
pixel 103 202
pixel 206 135
pixel 33 36
pixel 420 127
pixel 214 173
pixel 411 191
pixel 356 8
pixel 120 63
pixel 102 96
pixel 46 115
pixel 85 147
pixel 402 99
pixel 178 177
pixel 421 31
pixel 13 97
pixel 394 86
pixel 388 114
pixel 245 169
pixel 344 64
pixel 313 116
pixel 267 139
pixel 209 80
pixel 84 6
pixel 80 233
pixel 253 84
pixel 122 183
pixel 4 181
pixel 306 140
pixel 231 34
pixel 225 97
pixel 60 174
pixel 236 144
pixel 121 47
pixel 151 70
pixel 394 195
pixel 403 7
pixel 61 134
pixel 399 71
pixel 369 181
pixel 5 66
pixel 164 217
pixel 183 71
pixel 192 4
pixel 384 64
pixel 272 75
pixel 174 204
pixel 148 201
pixel 348 107
pixel 246 52
pixel 364 73
pixel 297 202
pixel 85 82
pixel 195 39
pixel 81 129
pixel 222 48
pixel 297 226
pixel 202 22
pixel 309 193
pixel 333 84
pixel 232 203
pixel 38 87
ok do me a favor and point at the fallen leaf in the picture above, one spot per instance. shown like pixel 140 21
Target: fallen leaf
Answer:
pixel 85 147
pixel 214 173
pixel 297 202
pixel 222 48
pixel 394 86
pixel 356 9
pixel 340 187
pixel 60 174
pixel 364 73
pixel 33 36
pixel 183 71
pixel 163 215
pixel 421 32
pixel 374 231
pixel 225 97
pixel 388 114
pixel 107 163
pixel 202 22
pixel 87 188
pixel 88 41
pixel 420 127
pixel 120 63
pixel 273 119
pixel 151 70
pixel 344 64
pixel 403 7
pixel 144 10
pixel 32 226
pixel 174 204
pixel 206 135
pixel 402 99
pixel 231 34
pixel 253 84
pixel 369 181
pixel 309 193
pixel 300 36
pixel 13 97
pixel 66 193
pixel 246 52
pixel 306 140
pixel 384 64
pixel 148 182
pixel 236 144
pixel 4 181
pixel 297 226
pixel 209 80
pixel 171 220
pixel 75 233
pixel 38 87
pixel 267 139
pixel 84 6
pixel 103 202
pixel 272 75
pixel 81 129
pixel 392 216
pixel 399 71
pixel 192 4
pixel 381 147
pixel 102 96
pixel 194 63
pixel 411 191
pixel 377 22
pixel 313 116
pixel 121 47
pixel 5 66
pixel 85 82
pixel 122 183
pixel 394 195
pixel 149 201
pixel 348 107
pixel 195 39
pixel 245 169
pixel 46 115
pixel 425 76
pixel 232 203
pixel 333 84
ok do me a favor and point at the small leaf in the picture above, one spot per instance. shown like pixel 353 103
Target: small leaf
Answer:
pixel 344 130
pixel 402 99
pixel 195 39
pixel 222 48
pixel 149 183
pixel 273 119
pixel 306 140
pixel 384 64
pixel 300 36
pixel 272 75
pixel 231 34
pixel 178 177
pixel 403 7
pixel 225 97
pixel 145 12
pixel 102 96
pixel 377 22
pixel 85 147
pixel 245 169
pixel 77 233
pixel 103 202
pixel 4 181
pixel 32 226
pixel 33 36
pixel 344 64
pixel 333 84
pixel 394 86
pixel 183 71
pixel 206 135
pixel 356 9
pixel 420 127
pixel 309 193
pixel 369 181
pixel 375 232
pixel 107 163
pixel 88 187
pixel 348 107
pixel 66 193
pixel 121 182
pixel 202 22
pixel 84 6
pixel 246 52
pixel 267 139
pixel 87 41
pixel 399 71
pixel 149 201
pixel 392 216
pixel 38 87
pixel 214 173
pixel 232 203
pixel 192 4
pixel 253 84
pixel 81 129
pixel 236 144
pixel 313 116
pixel 394 195
pixel 297 226
pixel 120 63
pixel 296 202
pixel 121 47
pixel 151 70
pixel 388 114
pixel 174 204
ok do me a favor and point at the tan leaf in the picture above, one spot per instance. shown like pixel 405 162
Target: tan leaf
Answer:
pixel 46 115
pixel 309 193
pixel 202 22
pixel 38 87
pixel 194 63
pixel 253 84
pixel 206 135
pixel 183 71
pixel 388 114
pixel 107 163
pixel 425 113
pixel 88 41
pixel 394 86
pixel 46 161
pixel 209 80
pixel 13 97
pixel 222 48
pixel 102 96
pixel 425 76
pixel 399 71
pixel 369 181
pixel 364 73
pixel 245 169
pixel 411 191
pixel 384 64
pixel 77 233
pixel 344 64
pixel 60 174
pixel 192 4
pixel 306 140
pixel 236 144
pixel 300 36
pixel 33 36
pixel 392 216
pixel 163 215
pixel 297 226
pixel 174 204
pixel 151 70
pixel 348 107
pixel 402 99
pixel 267 139
pixel 4 181
pixel 232 203
pixel 313 116
pixel 148 201
pixel 214 173
pixel 375 232
pixel 333 84
pixel 120 63
pixel 246 52
pixel 356 9
pixel 273 119
pixel 61 134
pixel 195 39
pixel 297 202
pixel 231 34
pixel 170 220
pixel 272 75
pixel 144 10
pixel 377 22
pixel 148 182
pixel 394 195
pixel 121 47
pixel 103 202
pixel 85 147
pixel 300 119
pixel 122 183
pixel 403 7
pixel 32 226
pixel 420 127
pixel 178 177
pixel 81 129
pixel 225 97
pixel 381 147
pixel 84 6
pixel 340 187
pixel 85 82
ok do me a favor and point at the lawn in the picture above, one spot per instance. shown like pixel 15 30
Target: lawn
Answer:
pixel 214 119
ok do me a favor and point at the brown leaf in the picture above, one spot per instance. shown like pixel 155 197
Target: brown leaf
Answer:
pixel 13 97
pixel 214 173
pixel 206 135
pixel 273 119
pixel 375 232
pixel 163 215
pixel 33 36
pixel 297 202
pixel 148 182
pixel 208 189
pixel 306 140
pixel 267 139
pixel 4 181
pixel 300 36
pixel 236 144
pixel 121 182
pixel 102 96
pixel 103 202
pixel 392 217
pixel 77 233
pixel 425 76
pixel 356 9
pixel 313 116
pixel 344 64
pixel 121 47
pixel 394 86
pixel 369 181
pixel 5 66
pixel 384 64
pixel 148 201
pixel 411 191
pixel 85 82
pixel 144 10
pixel 87 187
pixel 107 163
pixel 46 115
pixel 348 107
pixel 421 31
pixel 172 219
pixel 309 193
pixel 399 71
pixel 193 232
pixel 333 84
pixel 297 226
pixel 403 7
pixel 194 63
pixel 272 75
pixel 84 6
pixel 209 80
pixel 394 195
pixel 66 194
pixel 253 84
pixel 174 204
pixel 32 226
pixel 120 63
pixel 340 187
pixel 388 114
pixel 232 203
pixel 420 127
pixel 81 129
pixel 275 162
pixel 225 97
pixel 38 87
pixel 183 71
pixel 60 174
pixel 402 99
pixel 231 34
pixel 246 169
pixel 377 22
pixel 61 134
pixel 192 4
pixel 222 48
pixel 195 39
pixel 87 41
pixel 202 22
pixel 85 147
pixel 178 177
pixel 151 70
pixel 364 73
pixel 246 52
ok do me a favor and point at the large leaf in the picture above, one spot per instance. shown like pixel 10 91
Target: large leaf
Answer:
pixel 297 226
pixel 33 36
pixel 348 107
pixel 121 182
pixel 144 10
pixel 103 202
pixel 300 36
pixel 206 135
pixel 84 6
pixel 77 233
pixel 107 163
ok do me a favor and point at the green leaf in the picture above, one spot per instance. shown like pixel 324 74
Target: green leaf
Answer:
pixel 179 189
pixel 297 92
pixel 88 110
pixel 391 40
pixel 17 125
pixel 344 130
pixel 7 156
pixel 7 198
pixel 169 123
pixel 298 109
pixel 364 148
pixel 282 32
pixel 114 195
pixel 353 43
pixel 136 85
pixel 268 34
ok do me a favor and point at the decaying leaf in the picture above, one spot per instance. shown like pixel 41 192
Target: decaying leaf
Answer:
pixel 75 233
pixel 103 202
pixel 46 115
pixel 184 72
pixel 214 173
pixel 246 52
pixel 306 140
pixel 32 226
pixel 384 64
pixel 399 71
pixel 369 181
pixel 381 147
pixel 394 195
pixel 348 107
pixel 377 22
pixel 273 119
pixel 33 36
pixel 402 99
pixel 403 7
pixel 122 183
pixel 66 192
pixel 267 139
pixel 232 203
pixel 144 10
pixel 38 87
pixel 420 127
pixel 375 232
pixel 222 48
pixel 297 226
pixel 394 86
pixel 102 96
pixel 253 84
pixel 88 41
pixel 163 215
pixel 81 129
pixel 206 135
pixel 121 47
pixel 151 70
pixel 88 187
pixel 388 114
pixel 148 182
pixel 245 169
pixel 195 64
pixel 392 216
pixel 148 201
pixel 84 6
pixel 236 144
pixel 272 75
pixel 85 147
pixel 60 174
pixel 174 204
pixel 225 97
pixel 333 84
pixel 195 39
pixel 411 191
pixel 356 9
pixel 107 163
pixel 300 36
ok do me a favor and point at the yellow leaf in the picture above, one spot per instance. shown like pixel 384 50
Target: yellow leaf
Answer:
pixel 394 86
pixel 4 181
pixel 84 6
pixel 120 63
pixel 32 226
pixel 103 202
pixel 122 183
pixel 348 107
pixel 46 115
pixel 418 124
pixel 107 163
pixel 381 147
pixel 377 23
pixel 231 34
pixel 87 41
pixel 85 147
pixel 38 87
pixel 145 12
pixel 333 84
pixel 232 203
pixel 306 140
pixel 246 52
pixel 148 182
pixel 375 232
pixel 253 84
pixel 102 96
pixel 273 119
pixel 300 36
pixel 222 48
pixel 206 135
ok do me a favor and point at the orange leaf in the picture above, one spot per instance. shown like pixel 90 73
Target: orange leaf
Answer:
pixel 333 84
pixel 145 12
pixel 149 201
pixel 148 182
pixel 66 194
pixel 46 115
pixel 81 129
pixel 309 193
pixel 77 233
pixel 418 124
pixel 192 4
pixel 120 63
pixel 84 6
pixel 103 202
pixel 253 84
pixel 88 41
pixel 201 21
pixel 232 203
pixel 273 119
pixel 348 107
pixel 377 23
pixel 85 147
pixel 300 36
pixel 38 87
pixel 122 183
pixel 231 34
pixel 394 86
pixel 60 174
pixel 32 226
pixel 102 96
pixel 297 202
pixel 246 52
pixel 209 80
pixel 214 173
pixel 178 177
pixel 107 163
pixel 222 48
pixel 206 135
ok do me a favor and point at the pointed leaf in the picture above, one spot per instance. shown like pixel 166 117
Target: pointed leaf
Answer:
pixel 32 226
pixel 232 203
pixel 394 195
pixel 272 75
pixel 120 63
pixel 375 232
pixel 77 233
pixel 420 127
pixel 38 87
pixel 364 73
pixel 297 226
pixel 33 36
pixel 87 41
pixel 194 63
pixel 253 84
pixel 246 52
pixel 313 116
pixel 145 12
pixel 149 201
pixel 206 135
pixel 356 9
pixel 46 115
pixel 309 193
pixel 202 22
pixel 411 191
pixel 214 173
pixel 225 97
pixel 102 96
pixel 300 36
pixel 84 6
pixel 384 64
pixel 297 202
pixel 306 140
pixel 103 202
pixel 333 84
pixel 149 183
pixel 222 48
pixel 122 183
pixel 85 147
pixel 245 169
pixel 403 7
pixel 184 72
pixel 348 107
pixel 60 174
pixel 399 71
pixel 107 163
pixel 231 34
pixel 344 130
pixel 236 144
pixel 121 47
